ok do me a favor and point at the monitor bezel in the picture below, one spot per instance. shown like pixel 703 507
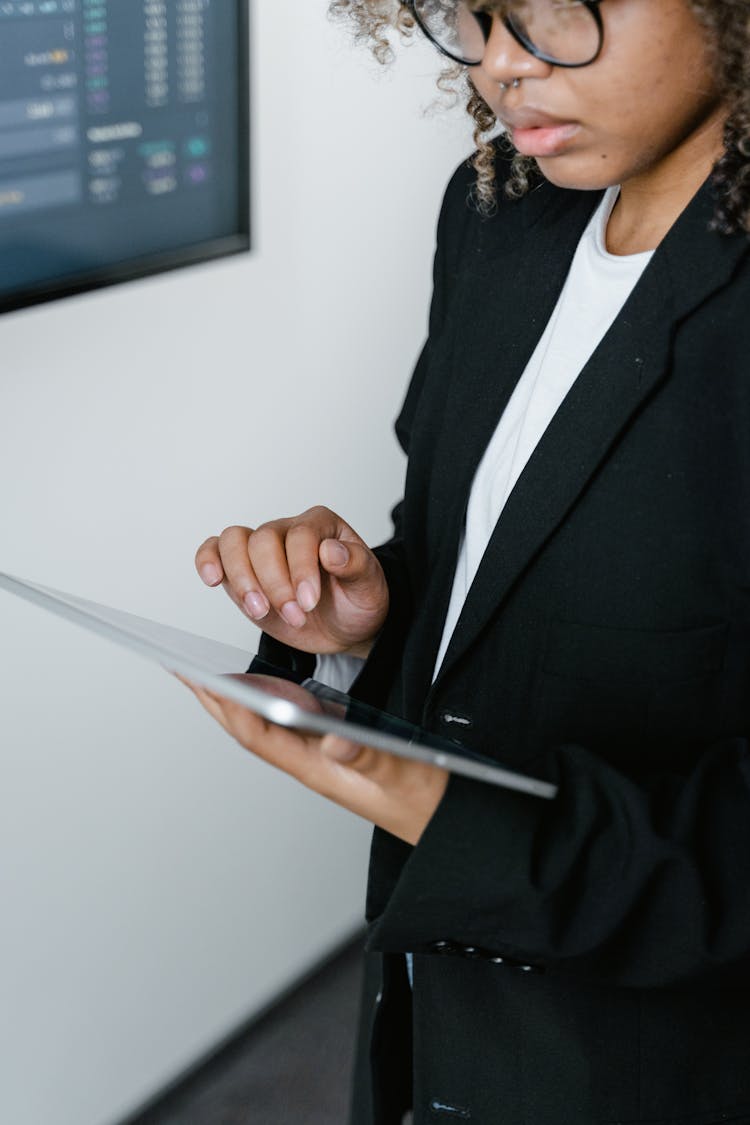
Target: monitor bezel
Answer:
pixel 149 265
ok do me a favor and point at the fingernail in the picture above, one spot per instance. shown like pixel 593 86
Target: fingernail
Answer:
pixel 337 553
pixel 293 615
pixel 256 604
pixel 306 596
pixel 210 574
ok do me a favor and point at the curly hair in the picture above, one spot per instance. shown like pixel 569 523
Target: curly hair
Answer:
pixel 728 24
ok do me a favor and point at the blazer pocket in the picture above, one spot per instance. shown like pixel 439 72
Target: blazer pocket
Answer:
pixel 633 695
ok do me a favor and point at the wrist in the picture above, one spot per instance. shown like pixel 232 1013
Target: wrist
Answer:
pixel 362 649
pixel 417 810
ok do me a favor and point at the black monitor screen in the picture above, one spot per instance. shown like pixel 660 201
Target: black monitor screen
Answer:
pixel 123 140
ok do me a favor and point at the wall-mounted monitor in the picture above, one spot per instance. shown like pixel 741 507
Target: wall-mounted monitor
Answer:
pixel 123 140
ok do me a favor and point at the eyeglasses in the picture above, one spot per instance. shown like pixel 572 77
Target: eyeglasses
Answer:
pixel 561 32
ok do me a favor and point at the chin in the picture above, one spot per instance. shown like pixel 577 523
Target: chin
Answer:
pixel 577 175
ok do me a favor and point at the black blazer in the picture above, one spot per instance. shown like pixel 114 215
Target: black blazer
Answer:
pixel 584 960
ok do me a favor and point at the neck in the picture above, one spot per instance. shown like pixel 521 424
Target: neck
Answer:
pixel 650 202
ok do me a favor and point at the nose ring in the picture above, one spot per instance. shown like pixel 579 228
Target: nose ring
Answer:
pixel 515 84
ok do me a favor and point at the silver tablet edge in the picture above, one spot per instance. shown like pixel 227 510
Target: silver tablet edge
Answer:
pixel 280 711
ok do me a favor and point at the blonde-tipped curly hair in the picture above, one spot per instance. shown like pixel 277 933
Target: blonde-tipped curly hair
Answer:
pixel 728 24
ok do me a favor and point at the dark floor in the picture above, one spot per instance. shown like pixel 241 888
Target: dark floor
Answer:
pixel 291 1067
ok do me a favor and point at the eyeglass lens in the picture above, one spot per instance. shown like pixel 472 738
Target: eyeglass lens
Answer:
pixel 562 31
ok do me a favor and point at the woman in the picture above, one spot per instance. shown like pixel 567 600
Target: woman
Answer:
pixel 567 590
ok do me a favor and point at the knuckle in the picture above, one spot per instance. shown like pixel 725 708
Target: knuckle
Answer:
pixel 231 534
pixel 207 548
pixel 318 514
pixel 299 531
pixel 264 538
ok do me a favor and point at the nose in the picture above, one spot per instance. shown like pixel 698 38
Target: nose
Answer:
pixel 505 59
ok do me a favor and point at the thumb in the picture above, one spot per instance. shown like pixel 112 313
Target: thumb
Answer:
pixel 340 749
pixel 348 562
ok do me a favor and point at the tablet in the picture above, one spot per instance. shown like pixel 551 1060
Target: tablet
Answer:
pixel 310 707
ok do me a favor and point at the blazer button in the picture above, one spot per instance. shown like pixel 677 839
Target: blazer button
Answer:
pixel 450 718
pixel 442 947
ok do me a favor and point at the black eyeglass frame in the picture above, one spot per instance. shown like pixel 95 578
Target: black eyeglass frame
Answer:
pixel 518 35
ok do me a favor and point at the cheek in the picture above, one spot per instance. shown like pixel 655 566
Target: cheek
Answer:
pixel 487 90
pixel 655 88
pixel 619 138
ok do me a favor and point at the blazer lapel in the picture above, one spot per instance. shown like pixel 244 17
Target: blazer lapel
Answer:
pixel 625 369
pixel 506 304
pixel 498 327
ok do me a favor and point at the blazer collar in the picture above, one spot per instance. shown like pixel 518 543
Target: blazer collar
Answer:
pixel 513 293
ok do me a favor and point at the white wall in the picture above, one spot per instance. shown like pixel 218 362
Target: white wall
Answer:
pixel 157 884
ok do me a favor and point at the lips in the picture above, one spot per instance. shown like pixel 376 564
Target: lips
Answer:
pixel 536 133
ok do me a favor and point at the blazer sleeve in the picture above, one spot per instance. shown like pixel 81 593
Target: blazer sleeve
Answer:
pixel 633 885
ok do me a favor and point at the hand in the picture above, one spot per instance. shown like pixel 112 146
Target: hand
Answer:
pixel 309 581
pixel 397 794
